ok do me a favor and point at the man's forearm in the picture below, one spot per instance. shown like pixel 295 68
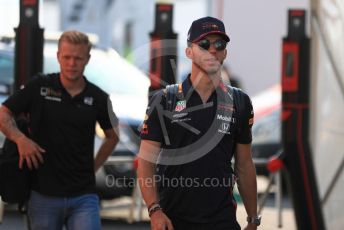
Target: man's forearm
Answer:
pixel 104 152
pixel 247 186
pixel 8 126
pixel 145 177
pixel 147 158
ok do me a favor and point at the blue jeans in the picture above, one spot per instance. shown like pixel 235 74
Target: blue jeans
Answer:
pixel 75 213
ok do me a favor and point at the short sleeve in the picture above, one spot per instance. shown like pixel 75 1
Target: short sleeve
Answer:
pixel 151 128
pixel 23 99
pixel 247 119
pixel 106 116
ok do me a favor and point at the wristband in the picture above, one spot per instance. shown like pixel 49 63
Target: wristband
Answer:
pixel 153 207
pixel 254 220
pixel 153 210
pixel 153 204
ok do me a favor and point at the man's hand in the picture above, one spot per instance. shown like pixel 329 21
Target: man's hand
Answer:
pixel 29 151
pixel 159 221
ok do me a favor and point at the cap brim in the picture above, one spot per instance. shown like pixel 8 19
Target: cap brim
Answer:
pixel 225 36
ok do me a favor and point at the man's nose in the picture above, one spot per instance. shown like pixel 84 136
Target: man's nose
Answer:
pixel 72 61
pixel 212 49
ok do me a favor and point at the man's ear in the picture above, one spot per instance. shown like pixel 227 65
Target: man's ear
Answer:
pixel 58 56
pixel 188 52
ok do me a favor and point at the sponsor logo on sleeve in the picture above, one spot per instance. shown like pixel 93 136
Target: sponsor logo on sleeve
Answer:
pixel 144 129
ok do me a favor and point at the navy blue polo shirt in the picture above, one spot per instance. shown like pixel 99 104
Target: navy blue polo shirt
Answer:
pixel 194 173
pixel 66 131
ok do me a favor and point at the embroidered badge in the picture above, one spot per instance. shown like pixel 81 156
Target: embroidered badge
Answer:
pixel 88 100
pixel 144 129
pixel 224 128
pixel 51 94
pixel 181 105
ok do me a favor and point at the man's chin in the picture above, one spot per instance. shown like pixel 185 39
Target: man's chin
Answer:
pixel 72 77
pixel 212 71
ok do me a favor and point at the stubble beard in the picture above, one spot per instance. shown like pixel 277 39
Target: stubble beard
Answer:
pixel 213 71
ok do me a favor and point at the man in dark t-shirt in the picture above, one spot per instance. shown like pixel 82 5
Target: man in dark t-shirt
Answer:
pixel 63 109
pixel 184 169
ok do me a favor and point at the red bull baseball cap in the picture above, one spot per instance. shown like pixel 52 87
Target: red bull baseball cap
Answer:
pixel 205 26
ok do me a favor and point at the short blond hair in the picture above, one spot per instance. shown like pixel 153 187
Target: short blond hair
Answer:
pixel 75 37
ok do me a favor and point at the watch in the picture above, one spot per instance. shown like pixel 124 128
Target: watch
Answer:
pixel 254 220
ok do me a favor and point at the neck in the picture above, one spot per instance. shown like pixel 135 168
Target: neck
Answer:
pixel 204 83
pixel 73 87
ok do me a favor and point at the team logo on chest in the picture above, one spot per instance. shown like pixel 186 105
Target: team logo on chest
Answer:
pixel 88 100
pixel 181 105
pixel 224 128
pixel 51 94
pixel 225 118
pixel 226 122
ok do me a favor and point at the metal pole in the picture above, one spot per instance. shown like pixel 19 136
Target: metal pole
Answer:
pixel 163 50
pixel 2 207
pixel 29 43
pixel 278 197
pixel 295 124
